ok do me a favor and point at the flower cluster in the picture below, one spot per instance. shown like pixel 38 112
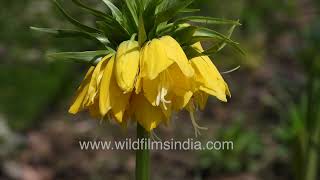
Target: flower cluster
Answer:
pixel 149 83
pixel 148 62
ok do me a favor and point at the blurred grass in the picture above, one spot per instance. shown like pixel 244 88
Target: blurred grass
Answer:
pixel 28 90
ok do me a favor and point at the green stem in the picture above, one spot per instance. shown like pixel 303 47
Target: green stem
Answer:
pixel 313 129
pixel 142 155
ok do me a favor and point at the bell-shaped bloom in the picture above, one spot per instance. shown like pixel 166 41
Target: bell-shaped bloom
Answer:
pixel 127 65
pixel 148 85
pixel 100 93
pixel 112 99
pixel 147 116
pixel 207 78
pixel 77 104
pixel 166 74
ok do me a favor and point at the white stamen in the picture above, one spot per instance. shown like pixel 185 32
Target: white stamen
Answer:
pixel 161 98
pixel 196 127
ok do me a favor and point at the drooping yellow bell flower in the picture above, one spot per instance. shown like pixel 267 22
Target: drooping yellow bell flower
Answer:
pixel 112 99
pixel 148 85
pixel 206 81
pixel 89 88
pixel 147 116
pixel 207 78
pixel 165 74
pixel 127 64
pixel 100 93
pixel 77 104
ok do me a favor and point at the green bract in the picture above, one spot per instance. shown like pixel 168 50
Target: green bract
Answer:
pixel 148 19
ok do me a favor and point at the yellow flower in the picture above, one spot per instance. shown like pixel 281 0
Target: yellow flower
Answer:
pixel 149 84
pixel 165 74
pixel 206 81
pixel 207 78
pixel 112 99
pixel 148 116
pixel 127 65
pixel 77 105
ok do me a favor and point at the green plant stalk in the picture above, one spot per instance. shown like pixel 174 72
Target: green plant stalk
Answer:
pixel 142 155
pixel 313 129
pixel 312 166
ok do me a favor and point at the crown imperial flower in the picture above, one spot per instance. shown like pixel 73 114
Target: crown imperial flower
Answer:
pixel 150 62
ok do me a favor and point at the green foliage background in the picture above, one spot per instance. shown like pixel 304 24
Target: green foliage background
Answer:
pixel 280 38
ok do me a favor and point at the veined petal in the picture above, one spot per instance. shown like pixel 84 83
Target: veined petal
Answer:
pixel 200 99
pixel 151 89
pixel 111 96
pixel 169 84
pixel 208 78
pixel 95 81
pixel 104 95
pixel 94 109
pixel 127 65
pixel 179 84
pixel 148 116
pixel 154 59
pixel 118 99
pixel 81 93
pixel 138 84
pixel 180 102
pixel 176 54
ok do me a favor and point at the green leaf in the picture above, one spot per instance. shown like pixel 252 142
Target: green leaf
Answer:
pixel 191 52
pixel 206 20
pixel 73 21
pixel 142 32
pixel 95 12
pixel 184 34
pixel 171 10
pixel 165 29
pixel 114 31
pixel 81 57
pixel 132 6
pixel 204 34
pixel 149 14
pixel 66 33
pixel 188 10
pixel 115 11
pixel 141 5
pixel 220 45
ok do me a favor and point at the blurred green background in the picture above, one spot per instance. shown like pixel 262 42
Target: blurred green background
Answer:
pixel 273 117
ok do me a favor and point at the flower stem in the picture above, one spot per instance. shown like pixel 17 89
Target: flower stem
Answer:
pixel 142 155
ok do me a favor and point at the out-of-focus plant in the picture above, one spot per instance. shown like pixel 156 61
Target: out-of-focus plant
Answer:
pixel 28 84
pixel 247 148
pixel 303 132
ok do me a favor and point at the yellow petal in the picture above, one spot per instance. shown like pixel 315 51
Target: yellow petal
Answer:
pixel 180 102
pixel 154 59
pixel 95 81
pixel 118 99
pixel 104 95
pixel 111 96
pixel 147 115
pixel 94 109
pixel 176 54
pixel 81 93
pixel 172 80
pixel 138 84
pixel 127 65
pixel 198 47
pixel 200 99
pixel 151 89
pixel 208 78
pixel 179 84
